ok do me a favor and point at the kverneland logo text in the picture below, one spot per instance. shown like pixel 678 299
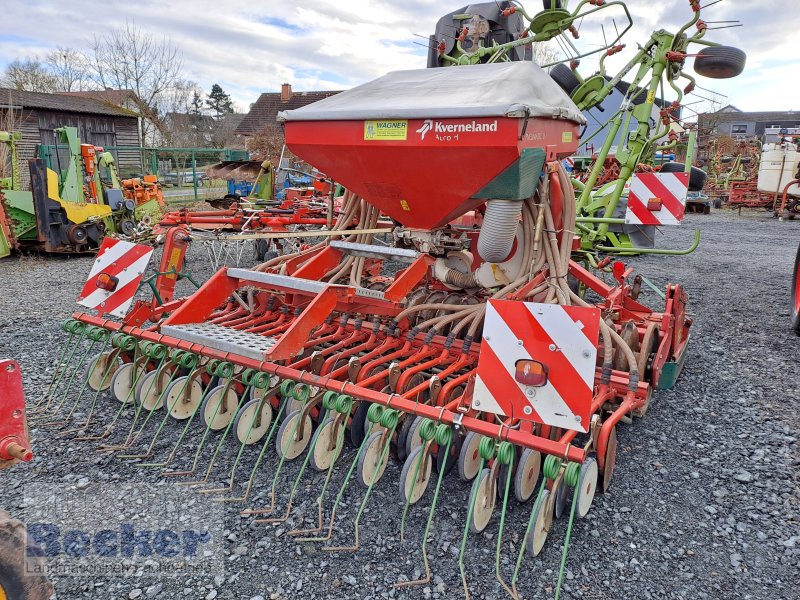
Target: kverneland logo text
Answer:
pixel 447 128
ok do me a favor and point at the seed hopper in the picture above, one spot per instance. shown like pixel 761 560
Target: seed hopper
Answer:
pixel 467 344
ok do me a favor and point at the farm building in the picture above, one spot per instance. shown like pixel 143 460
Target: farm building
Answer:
pixel 37 115
pixel 262 120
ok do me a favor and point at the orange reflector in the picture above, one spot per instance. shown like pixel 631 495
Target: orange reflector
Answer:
pixel 654 204
pixel 107 282
pixel 531 372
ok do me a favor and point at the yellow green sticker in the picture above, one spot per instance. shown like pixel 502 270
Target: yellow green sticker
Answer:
pixel 386 130
pixel 404 205
pixel 566 136
pixel 651 97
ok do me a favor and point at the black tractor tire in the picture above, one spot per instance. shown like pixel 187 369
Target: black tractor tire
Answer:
pixel 21 577
pixel 565 78
pixel 794 293
pixel 720 62
pixel 697 178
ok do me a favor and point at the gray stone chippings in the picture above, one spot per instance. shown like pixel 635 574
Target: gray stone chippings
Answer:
pixel 704 502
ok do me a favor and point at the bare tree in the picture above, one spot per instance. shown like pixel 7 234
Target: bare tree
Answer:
pixel 128 58
pixel 69 68
pixel 28 75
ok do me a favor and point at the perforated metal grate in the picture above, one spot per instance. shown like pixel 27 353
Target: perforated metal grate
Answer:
pixel 222 338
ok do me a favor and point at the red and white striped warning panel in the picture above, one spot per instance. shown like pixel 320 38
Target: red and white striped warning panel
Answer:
pixel 537 363
pixel 115 276
pixel 657 198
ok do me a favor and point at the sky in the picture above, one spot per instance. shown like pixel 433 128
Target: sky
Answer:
pixel 253 47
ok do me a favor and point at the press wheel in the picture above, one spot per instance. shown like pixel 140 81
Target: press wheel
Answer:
pixel 561 499
pixel 541 525
pixel 292 438
pixel 413 439
pixel 485 498
pixel 323 449
pixel 95 374
pixel 147 393
pixel 182 403
pixel 415 476
pixel 527 474
pixel 370 464
pixel 644 362
pixel 469 460
pixel 122 383
pixel 611 459
pixel 218 413
pixel 248 429
pixel 587 486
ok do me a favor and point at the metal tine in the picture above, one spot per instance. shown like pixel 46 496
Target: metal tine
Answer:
pixel 486 450
pixel 74 328
pixel 329 402
pixel 505 456
pixel 215 369
pixel 182 359
pixel 443 437
pixel 343 405
pixel 550 470
pixel 81 361
pixel 68 417
pixel 53 392
pixel 224 436
pixel 135 436
pixel 373 416
pixel 153 352
pixel 260 381
pixel 273 428
pixel 129 397
pixel 389 419
pixel 302 393
pixel 110 362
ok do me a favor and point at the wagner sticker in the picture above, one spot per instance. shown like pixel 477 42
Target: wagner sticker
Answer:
pixel 386 130
pixel 566 136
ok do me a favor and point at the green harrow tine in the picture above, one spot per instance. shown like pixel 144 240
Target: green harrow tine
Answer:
pixel 444 437
pixel 73 328
pixel 78 364
pixel 103 381
pixel 571 478
pixel 389 420
pixel 298 392
pixel 373 416
pixel 486 449
pixel 343 405
pixel 505 454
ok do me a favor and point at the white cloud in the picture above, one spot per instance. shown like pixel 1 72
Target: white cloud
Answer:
pixel 252 47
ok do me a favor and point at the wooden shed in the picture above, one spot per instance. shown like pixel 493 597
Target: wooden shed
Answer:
pixel 37 115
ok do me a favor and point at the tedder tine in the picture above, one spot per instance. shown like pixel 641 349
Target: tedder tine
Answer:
pixel 388 420
pixel 342 404
pixel 288 445
pixel 444 437
pixel 185 360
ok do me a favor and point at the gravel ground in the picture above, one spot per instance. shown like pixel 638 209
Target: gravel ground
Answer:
pixel 704 502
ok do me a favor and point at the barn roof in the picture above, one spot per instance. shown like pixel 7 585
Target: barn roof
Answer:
pixel 61 103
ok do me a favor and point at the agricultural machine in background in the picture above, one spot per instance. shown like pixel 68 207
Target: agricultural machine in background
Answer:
pixel 71 209
pixel 482 340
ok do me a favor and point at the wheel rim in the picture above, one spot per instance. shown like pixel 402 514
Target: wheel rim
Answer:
pixel 218 413
pixel 469 457
pixel 322 456
pixel 415 477
pixel 484 502
pixel 96 373
pixel 370 465
pixel 121 384
pixel 182 405
pixel 247 431
pixel 587 486
pixel 146 393
pixel 541 525
pixel 611 459
pixel 527 474
pixel 293 439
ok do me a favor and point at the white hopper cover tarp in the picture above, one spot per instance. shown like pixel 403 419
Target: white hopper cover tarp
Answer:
pixel 494 90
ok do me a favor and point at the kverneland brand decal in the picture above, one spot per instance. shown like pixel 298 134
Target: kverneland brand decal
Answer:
pixel 449 131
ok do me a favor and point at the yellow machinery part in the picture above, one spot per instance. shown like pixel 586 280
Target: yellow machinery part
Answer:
pixel 77 212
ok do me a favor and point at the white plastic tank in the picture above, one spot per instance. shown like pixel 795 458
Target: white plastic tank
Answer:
pixel 778 167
